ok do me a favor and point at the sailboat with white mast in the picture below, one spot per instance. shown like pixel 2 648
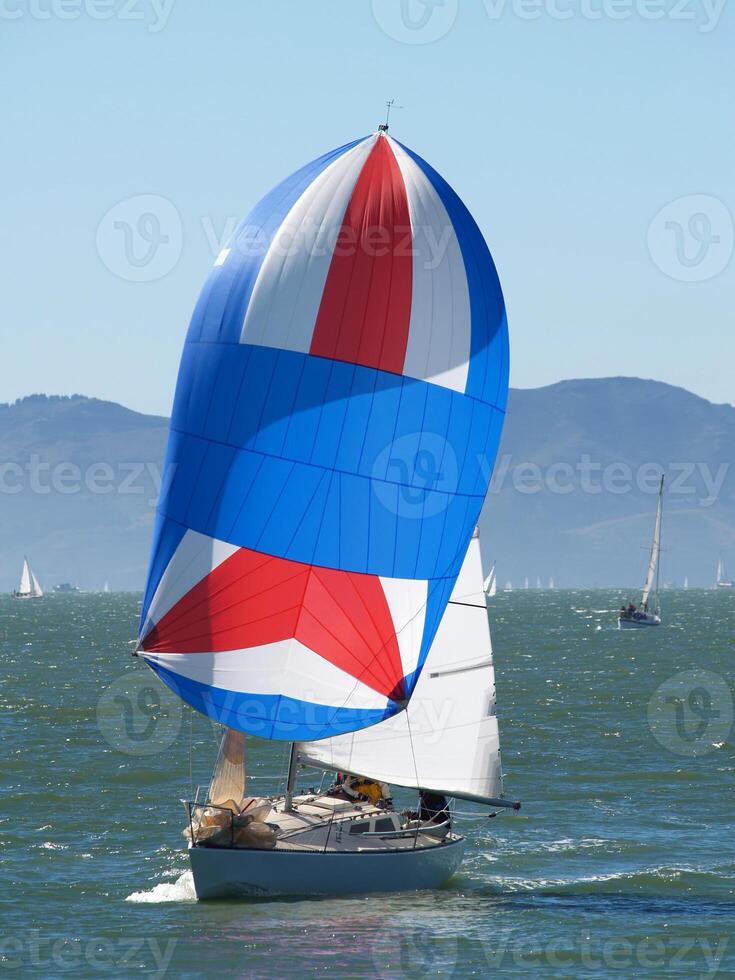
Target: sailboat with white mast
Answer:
pixel 490 585
pixel 721 579
pixel 649 611
pixel 314 576
pixel 29 586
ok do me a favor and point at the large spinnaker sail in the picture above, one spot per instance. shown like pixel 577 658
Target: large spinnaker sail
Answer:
pixel 655 551
pixel 447 740
pixel 337 413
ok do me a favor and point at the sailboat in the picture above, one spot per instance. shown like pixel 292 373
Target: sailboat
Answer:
pixel 686 582
pixel 508 586
pixel 314 578
pixel 106 586
pixel 721 580
pixel 637 617
pixel 28 587
pixel 527 583
pixel 490 585
pixel 551 584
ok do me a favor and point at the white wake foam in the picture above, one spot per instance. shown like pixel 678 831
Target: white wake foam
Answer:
pixel 181 890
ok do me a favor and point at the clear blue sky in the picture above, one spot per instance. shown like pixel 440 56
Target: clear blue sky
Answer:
pixel 565 137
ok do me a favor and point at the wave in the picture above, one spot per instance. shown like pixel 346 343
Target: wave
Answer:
pixel 181 890
pixel 652 881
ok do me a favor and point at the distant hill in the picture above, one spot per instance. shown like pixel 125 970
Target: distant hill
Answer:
pixel 573 494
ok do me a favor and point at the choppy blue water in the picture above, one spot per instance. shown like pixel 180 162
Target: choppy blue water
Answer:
pixel 621 862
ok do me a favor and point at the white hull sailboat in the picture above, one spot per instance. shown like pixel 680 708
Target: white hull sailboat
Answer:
pixel 721 579
pixel 648 613
pixel 28 587
pixel 311 581
pixel 490 584
pixel 241 846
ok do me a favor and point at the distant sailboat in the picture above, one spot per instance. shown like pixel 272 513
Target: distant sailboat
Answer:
pixel 686 583
pixel 527 584
pixel 106 587
pixel 632 617
pixel 551 584
pixel 28 587
pixel 722 581
pixel 508 586
pixel 491 583
pixel 538 582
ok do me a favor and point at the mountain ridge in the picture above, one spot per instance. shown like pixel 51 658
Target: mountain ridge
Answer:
pixel 572 496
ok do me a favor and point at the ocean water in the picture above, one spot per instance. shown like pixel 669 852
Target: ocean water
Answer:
pixel 621 862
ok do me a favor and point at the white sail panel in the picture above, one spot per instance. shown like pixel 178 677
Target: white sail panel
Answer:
pixel 447 740
pixel 36 590
pixel 24 588
pixel 655 550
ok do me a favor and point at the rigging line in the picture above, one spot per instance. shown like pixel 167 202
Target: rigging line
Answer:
pixel 416 776
pixel 191 763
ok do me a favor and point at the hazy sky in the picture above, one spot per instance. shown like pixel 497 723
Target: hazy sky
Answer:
pixel 566 125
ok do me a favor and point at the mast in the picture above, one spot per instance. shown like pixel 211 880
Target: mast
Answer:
pixel 653 563
pixel 291 780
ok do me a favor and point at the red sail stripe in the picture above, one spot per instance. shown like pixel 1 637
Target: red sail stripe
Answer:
pixel 365 310
pixel 252 600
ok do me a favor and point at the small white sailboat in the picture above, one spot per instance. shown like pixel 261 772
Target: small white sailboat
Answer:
pixel 721 579
pixel 648 613
pixel 551 584
pixel 490 584
pixel 686 582
pixel 508 586
pixel 28 587
pixel 106 586
pixel 527 583
pixel 538 582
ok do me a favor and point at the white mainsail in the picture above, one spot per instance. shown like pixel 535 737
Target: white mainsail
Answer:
pixel 447 740
pixel 655 551
pixel 491 583
pixel 24 587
